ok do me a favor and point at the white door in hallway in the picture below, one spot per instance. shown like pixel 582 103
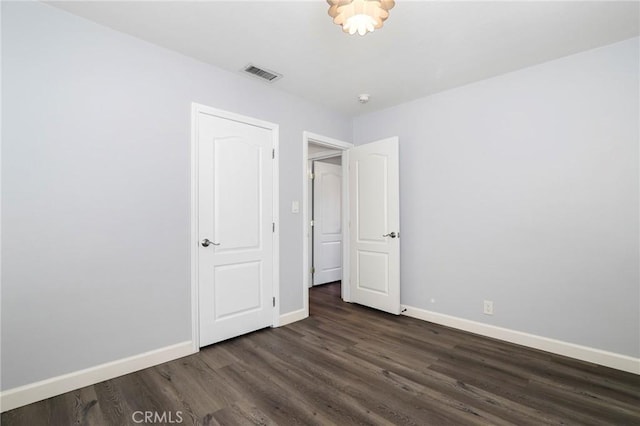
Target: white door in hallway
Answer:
pixel 235 215
pixel 327 222
pixel 374 232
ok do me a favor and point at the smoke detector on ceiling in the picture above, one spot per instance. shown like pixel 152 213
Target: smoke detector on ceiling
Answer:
pixel 363 98
pixel 262 73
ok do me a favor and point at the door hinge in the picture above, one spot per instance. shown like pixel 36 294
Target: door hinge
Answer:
pixel 273 153
pixel 312 223
pixel 274 302
pixel 313 270
pixel 273 227
pixel 312 175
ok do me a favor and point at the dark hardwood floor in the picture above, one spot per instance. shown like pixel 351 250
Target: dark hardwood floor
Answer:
pixel 345 365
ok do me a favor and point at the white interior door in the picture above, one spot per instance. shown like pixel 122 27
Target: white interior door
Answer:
pixel 374 233
pixel 327 222
pixel 235 255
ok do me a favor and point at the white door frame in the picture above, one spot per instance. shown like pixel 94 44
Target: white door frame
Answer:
pixel 194 238
pixel 334 144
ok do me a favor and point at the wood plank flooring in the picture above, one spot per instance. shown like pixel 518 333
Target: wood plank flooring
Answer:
pixel 347 364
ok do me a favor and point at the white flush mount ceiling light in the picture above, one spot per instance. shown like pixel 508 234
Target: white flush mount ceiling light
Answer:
pixel 359 16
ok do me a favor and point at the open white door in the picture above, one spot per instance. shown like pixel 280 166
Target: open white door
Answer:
pixel 235 204
pixel 327 222
pixel 374 231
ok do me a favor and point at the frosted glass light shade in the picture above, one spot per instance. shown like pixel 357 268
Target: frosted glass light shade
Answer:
pixel 359 16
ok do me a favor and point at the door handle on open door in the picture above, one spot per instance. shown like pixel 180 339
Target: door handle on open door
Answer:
pixel 207 243
pixel 390 234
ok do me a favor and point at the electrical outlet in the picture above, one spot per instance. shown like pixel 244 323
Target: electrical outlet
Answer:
pixel 488 307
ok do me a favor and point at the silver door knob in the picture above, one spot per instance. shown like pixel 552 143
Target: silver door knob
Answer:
pixel 390 234
pixel 207 243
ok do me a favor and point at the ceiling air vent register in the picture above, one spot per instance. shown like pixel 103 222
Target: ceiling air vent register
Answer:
pixel 262 73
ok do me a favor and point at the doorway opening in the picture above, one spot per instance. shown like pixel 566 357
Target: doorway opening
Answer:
pixel 325 293
pixel 325 207
pixel 331 237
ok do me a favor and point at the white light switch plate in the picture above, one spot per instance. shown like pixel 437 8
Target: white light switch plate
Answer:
pixel 295 207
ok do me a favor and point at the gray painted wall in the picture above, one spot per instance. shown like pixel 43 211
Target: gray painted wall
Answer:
pixel 95 189
pixel 523 189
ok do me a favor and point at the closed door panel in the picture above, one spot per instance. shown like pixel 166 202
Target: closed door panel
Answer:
pixel 235 228
pixel 375 225
pixel 237 289
pixel 238 193
pixel 327 218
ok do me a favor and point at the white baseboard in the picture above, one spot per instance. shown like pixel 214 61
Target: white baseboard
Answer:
pixel 584 353
pixel 33 392
pixel 294 316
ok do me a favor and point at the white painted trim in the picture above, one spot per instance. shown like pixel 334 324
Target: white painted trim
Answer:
pixel 195 240
pixel 346 241
pixel 559 347
pixel 195 318
pixel 306 241
pixel 275 132
pixel 325 154
pixel 309 210
pixel 292 317
pixel 327 141
pixel 33 392
pixel 336 145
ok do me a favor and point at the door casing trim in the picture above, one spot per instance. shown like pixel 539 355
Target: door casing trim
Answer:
pixel 196 109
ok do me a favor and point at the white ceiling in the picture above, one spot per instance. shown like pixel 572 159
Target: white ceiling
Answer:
pixel 424 47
